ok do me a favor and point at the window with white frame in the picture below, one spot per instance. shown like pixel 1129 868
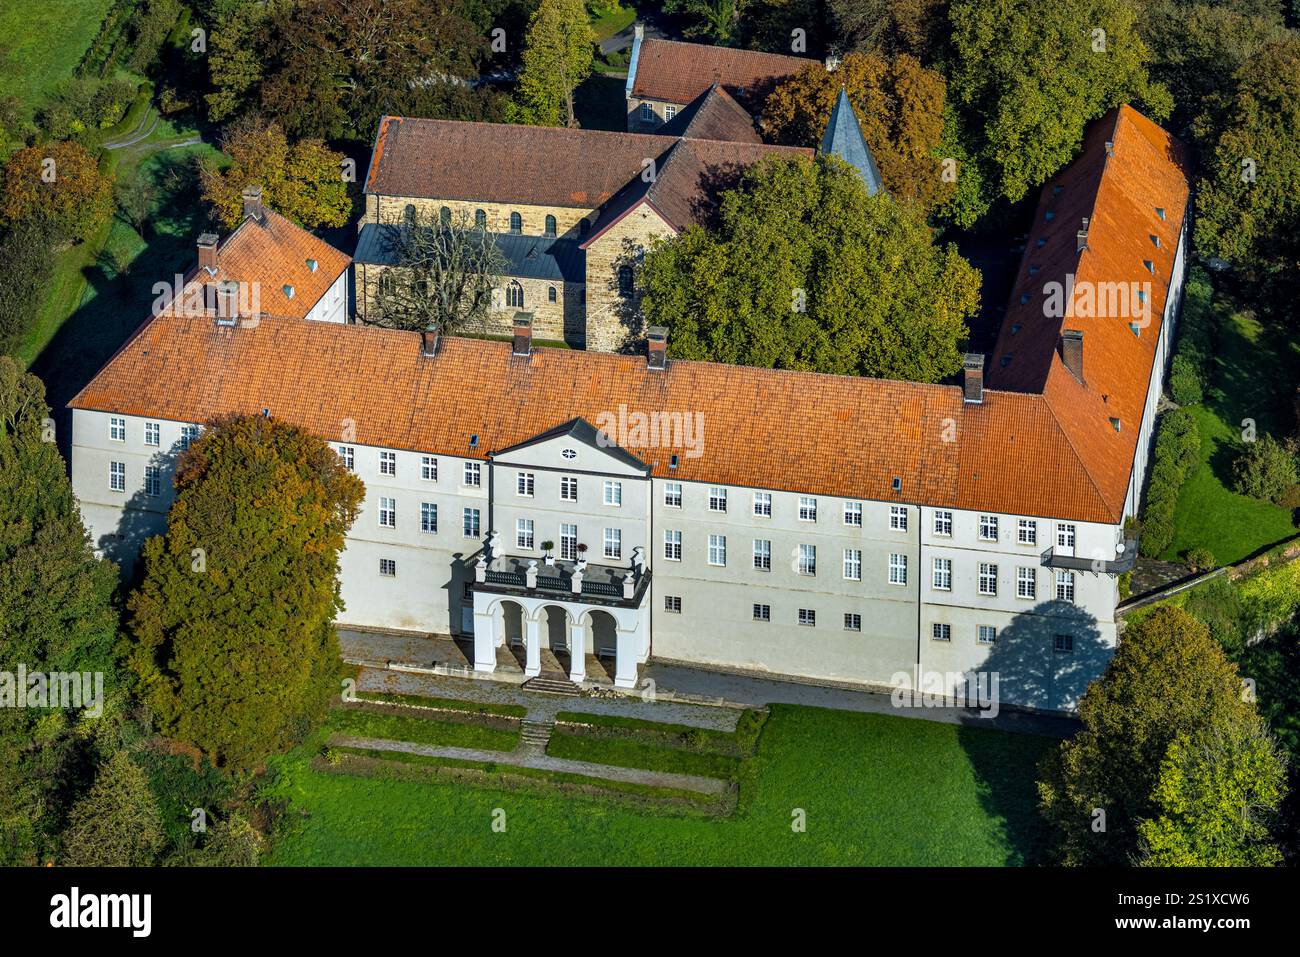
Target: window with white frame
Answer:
pixel 943 523
pixel 672 545
pixel 988 578
pixel 989 528
pixel 117 429
pixel 614 493
pixel 762 612
pixel 941 577
pixel 473 474
pixel 569 542
pixel 1064 535
pixel 1063 643
pixel 941 632
pixel 387 463
pixel 852 621
pixel 152 433
pixel 717 498
pixel 188 434
pixel 897 569
pixel 152 480
pixel 717 549
pixel 673 603
pixel 1026 582
pixel 853 564
pixel 117 476
pixel 471 523
pixel 428 517
pixel 763 504
pixel 669 111
pixel 349 456
pixel 387 567
pixel 524 533
pixel 1065 586
pixel 428 468
pixel 808 617
pixel 568 488
pixel 986 635
pixel 807 559
pixel 525 483
pixel 762 554
pixel 1027 531
pixel 898 518
pixel 807 508
pixel 672 494
pixel 387 512
pixel 613 543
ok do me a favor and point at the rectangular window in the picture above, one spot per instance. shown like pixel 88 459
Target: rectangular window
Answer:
pixel 669 111
pixel 762 554
pixel 1064 536
pixel 988 578
pixel 853 514
pixel 647 112
pixel 388 512
pixel 473 474
pixel 188 434
pixel 428 517
pixel 1065 586
pixel 673 603
pixel 428 468
pixel 672 494
pixel 673 546
pixel 808 617
pixel 1027 532
pixel 387 463
pixel 941 632
pixel 613 543
pixel 807 559
pixel 989 528
pixel 942 579
pixel 717 499
pixel 387 567
pixel 987 635
pixel 117 429
pixel 898 518
pixel 117 476
pixel 152 433
pixel 1063 643
pixel 569 542
pixel 614 493
pixel 152 480
pixel 568 489
pixel 897 569
pixel 852 621
pixel 471 523
pixel 762 612
pixel 763 504
pixel 807 508
pixel 1026 582
pixel 717 549
pixel 853 564
pixel 349 456
pixel 524 533
pixel 943 523
pixel 524 484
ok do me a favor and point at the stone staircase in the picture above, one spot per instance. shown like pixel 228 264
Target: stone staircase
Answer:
pixel 535 734
pixel 552 684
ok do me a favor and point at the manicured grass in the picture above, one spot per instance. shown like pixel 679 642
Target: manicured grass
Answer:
pixel 634 754
pixel 875 790
pixel 43 43
pixel 400 727
pixel 741 741
pixel 614 20
pixel 1251 379
pixel 451 704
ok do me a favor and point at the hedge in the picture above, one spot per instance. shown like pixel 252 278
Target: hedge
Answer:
pixel 1178 451
pixel 1195 346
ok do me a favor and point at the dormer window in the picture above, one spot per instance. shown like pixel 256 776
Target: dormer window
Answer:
pixel 1155 240
pixel 288 291
pixel 1033 270
pixel 1050 215
pixel 1056 190
pixel 311 265
pixel 473 441
pixel 1015 327
pixel 1151 267
pixel 1024 298
pixel 1042 241
pixel 1160 211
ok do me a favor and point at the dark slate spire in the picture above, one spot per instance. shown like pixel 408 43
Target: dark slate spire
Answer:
pixel 844 139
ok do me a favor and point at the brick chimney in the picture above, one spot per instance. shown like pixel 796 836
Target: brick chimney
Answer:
pixel 657 347
pixel 429 341
pixel 253 203
pixel 523 329
pixel 208 252
pixel 227 302
pixel 1072 351
pixel 1082 236
pixel 972 368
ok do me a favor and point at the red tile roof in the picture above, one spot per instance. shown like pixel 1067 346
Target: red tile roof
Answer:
pixel 674 72
pixel 713 115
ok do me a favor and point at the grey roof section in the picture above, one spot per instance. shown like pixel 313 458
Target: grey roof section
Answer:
pixel 844 139
pixel 580 430
pixel 527 257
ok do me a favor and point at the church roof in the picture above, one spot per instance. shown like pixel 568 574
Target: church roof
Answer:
pixel 675 72
pixel 844 139
pixel 713 115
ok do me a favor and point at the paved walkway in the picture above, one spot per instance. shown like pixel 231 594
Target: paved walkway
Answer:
pixel 529 759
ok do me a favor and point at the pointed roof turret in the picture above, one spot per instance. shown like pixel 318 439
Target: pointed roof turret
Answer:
pixel 844 139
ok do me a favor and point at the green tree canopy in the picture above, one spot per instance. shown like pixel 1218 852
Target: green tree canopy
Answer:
pixel 231 633
pixel 118 823
pixel 558 53
pixel 806 271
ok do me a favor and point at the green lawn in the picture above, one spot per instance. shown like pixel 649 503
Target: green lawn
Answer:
pixel 876 790
pixel 42 44
pixel 401 727
pixel 612 20
pixel 635 754
pixel 1251 378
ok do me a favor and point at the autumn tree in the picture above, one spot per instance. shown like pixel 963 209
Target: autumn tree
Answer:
pixel 60 185
pixel 890 27
pixel 118 823
pixel 303 182
pixel 558 52
pixel 899 105
pixel 806 271
pixel 237 54
pixel 231 633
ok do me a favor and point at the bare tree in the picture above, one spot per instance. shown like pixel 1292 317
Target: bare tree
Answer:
pixel 444 272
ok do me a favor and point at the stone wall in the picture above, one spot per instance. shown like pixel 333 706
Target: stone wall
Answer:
pixel 613 319
pixel 392 209
pixel 636 124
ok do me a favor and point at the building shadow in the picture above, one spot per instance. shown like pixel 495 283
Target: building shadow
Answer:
pixel 143 516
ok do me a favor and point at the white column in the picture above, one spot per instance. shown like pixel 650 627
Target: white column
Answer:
pixel 577 652
pixel 626 661
pixel 485 641
pixel 532 646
